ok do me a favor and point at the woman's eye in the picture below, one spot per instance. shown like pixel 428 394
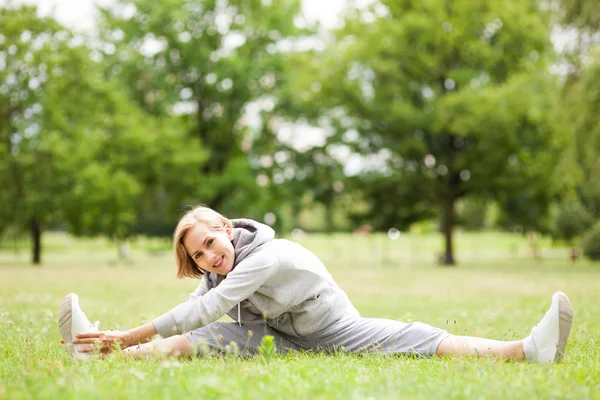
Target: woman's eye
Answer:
pixel 209 242
pixel 198 255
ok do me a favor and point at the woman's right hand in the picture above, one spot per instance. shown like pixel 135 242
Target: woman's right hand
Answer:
pixel 106 341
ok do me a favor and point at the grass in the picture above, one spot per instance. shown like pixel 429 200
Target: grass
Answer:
pixel 497 291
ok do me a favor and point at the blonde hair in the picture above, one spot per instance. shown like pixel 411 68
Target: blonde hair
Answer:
pixel 186 267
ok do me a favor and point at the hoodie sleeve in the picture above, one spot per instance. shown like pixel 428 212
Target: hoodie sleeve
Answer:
pixel 201 290
pixel 244 280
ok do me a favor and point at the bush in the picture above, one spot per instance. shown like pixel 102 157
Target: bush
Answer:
pixel 572 220
pixel 591 242
pixel 471 214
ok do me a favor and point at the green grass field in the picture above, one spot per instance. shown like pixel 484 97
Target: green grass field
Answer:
pixel 497 291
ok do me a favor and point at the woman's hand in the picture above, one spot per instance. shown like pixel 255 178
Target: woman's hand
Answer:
pixel 106 341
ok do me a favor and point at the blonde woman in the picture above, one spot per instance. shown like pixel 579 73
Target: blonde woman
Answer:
pixel 276 287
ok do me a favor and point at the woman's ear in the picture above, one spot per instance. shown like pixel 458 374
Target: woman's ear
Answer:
pixel 229 231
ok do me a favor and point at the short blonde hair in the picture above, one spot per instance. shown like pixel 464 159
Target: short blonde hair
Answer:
pixel 186 267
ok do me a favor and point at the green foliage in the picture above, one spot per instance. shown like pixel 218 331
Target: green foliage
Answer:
pixel 472 214
pixel 581 14
pixel 48 99
pixel 176 103
pixel 591 242
pixel 214 66
pixel 104 201
pixel 584 112
pixel 572 220
pixel 76 151
pixel 446 100
pixel 135 160
pixel 304 179
pixel 581 98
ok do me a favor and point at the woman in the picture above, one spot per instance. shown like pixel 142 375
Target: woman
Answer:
pixel 276 287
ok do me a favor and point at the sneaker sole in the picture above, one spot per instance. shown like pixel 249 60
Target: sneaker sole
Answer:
pixel 565 320
pixel 64 321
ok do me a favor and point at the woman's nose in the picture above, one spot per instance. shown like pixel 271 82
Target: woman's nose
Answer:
pixel 211 258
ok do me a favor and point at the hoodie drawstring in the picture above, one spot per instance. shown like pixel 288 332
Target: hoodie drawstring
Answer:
pixel 239 315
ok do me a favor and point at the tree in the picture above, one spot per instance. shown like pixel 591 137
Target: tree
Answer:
pixel 581 97
pixel 76 151
pixel 213 66
pixel 581 101
pixel 572 220
pixel 591 242
pixel 47 101
pixel 451 96
pixel 302 178
pixel 133 157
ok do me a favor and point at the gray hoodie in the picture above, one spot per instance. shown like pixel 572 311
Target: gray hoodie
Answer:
pixel 274 280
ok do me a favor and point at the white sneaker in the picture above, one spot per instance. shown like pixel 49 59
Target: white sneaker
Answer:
pixel 72 321
pixel 548 339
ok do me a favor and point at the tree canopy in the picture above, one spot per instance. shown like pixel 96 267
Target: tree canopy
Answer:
pixel 418 109
pixel 452 97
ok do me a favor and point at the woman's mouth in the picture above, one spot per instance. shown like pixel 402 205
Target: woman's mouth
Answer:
pixel 219 263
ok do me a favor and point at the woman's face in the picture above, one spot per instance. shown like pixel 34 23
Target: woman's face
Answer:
pixel 211 250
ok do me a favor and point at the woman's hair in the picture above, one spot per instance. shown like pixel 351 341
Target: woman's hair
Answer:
pixel 186 267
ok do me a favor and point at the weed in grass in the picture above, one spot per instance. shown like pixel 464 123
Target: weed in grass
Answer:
pixel 267 349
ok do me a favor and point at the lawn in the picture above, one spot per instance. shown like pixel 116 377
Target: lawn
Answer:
pixel 497 291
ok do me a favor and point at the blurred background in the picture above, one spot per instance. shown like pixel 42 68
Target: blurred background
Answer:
pixel 391 116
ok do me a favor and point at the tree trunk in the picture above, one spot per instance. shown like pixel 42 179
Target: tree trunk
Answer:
pixel 36 239
pixel 448 228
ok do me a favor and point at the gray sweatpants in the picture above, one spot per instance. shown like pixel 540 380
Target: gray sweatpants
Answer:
pixel 351 333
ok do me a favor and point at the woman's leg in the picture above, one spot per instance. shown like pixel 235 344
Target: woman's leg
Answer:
pixel 215 338
pixel 546 343
pixel 175 346
pixel 358 334
pixel 181 346
pixel 376 335
pixel 230 337
pixel 474 346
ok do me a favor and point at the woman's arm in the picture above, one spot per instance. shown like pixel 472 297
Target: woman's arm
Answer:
pixel 109 339
pixel 141 334
pixel 243 281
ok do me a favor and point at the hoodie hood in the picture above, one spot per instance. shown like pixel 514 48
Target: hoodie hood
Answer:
pixel 247 236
